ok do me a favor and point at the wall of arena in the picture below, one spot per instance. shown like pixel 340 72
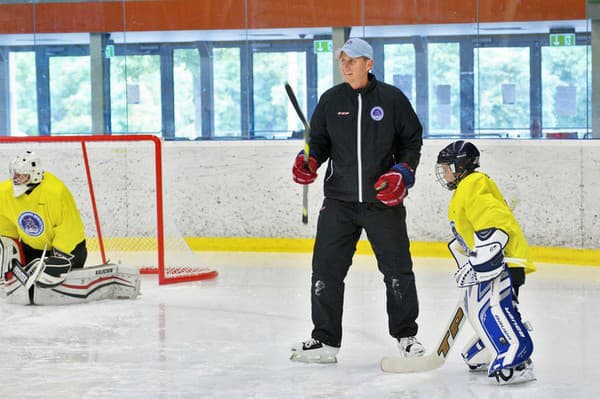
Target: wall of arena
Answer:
pixel 244 189
pixel 239 195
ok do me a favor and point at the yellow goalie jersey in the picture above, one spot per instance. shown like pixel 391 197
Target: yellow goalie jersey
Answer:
pixel 48 216
pixel 477 204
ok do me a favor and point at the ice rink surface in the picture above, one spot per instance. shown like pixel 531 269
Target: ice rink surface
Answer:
pixel 230 338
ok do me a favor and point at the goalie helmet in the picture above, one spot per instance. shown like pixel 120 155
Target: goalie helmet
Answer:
pixel 462 157
pixel 25 172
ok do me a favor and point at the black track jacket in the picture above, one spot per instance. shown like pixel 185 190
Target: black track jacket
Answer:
pixel 363 133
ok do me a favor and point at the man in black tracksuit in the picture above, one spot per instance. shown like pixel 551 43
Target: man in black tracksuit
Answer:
pixel 371 137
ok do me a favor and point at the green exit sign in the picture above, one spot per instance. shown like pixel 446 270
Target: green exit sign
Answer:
pixel 109 51
pixel 323 46
pixel 562 39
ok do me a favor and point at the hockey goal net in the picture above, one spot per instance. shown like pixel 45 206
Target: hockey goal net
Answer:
pixel 127 199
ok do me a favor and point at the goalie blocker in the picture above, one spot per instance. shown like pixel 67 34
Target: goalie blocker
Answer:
pixel 50 281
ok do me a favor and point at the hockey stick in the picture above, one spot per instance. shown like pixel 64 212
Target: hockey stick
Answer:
pixel 306 135
pixel 28 278
pixel 39 268
pixel 397 364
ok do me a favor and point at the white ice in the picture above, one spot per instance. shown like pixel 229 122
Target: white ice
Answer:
pixel 230 338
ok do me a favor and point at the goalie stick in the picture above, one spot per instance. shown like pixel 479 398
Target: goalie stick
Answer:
pixel 306 135
pixel 39 268
pixel 28 278
pixel 397 364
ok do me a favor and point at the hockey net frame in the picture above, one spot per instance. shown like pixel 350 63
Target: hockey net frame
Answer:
pixel 167 236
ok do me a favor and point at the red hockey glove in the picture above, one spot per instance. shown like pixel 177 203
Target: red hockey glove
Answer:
pixel 302 175
pixel 393 186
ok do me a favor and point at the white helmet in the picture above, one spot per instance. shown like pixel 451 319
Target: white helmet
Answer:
pixel 25 171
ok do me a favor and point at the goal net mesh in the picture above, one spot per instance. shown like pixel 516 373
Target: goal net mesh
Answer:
pixel 130 196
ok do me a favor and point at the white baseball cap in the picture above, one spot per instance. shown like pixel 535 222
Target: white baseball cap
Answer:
pixel 355 48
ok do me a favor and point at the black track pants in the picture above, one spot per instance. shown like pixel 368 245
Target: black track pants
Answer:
pixel 339 227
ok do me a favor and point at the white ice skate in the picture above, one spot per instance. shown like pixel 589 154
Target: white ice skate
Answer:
pixel 410 347
pixel 313 351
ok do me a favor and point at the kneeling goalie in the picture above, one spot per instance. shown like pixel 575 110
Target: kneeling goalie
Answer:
pixel 43 247
pixel 482 221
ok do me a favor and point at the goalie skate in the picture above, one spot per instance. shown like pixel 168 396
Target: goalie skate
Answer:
pixel 476 355
pixel 313 351
pixel 516 375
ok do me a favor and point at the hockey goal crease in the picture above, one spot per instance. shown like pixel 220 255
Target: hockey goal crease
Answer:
pixel 128 193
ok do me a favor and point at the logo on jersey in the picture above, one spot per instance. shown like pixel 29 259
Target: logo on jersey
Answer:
pixel 377 113
pixel 31 223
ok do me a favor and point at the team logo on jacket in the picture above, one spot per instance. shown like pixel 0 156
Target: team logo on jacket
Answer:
pixel 31 223
pixel 377 113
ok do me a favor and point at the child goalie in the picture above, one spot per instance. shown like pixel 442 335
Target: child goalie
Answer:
pixel 486 231
pixel 42 243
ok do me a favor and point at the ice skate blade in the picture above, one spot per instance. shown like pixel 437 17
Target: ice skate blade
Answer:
pixel 522 379
pixel 479 368
pixel 518 377
pixel 306 358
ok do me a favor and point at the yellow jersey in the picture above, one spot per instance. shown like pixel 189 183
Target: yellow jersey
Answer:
pixel 478 204
pixel 46 217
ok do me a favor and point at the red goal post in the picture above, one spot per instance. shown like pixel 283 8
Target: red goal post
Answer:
pixel 118 183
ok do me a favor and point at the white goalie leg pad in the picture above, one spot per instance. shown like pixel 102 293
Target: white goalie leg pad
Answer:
pixel 129 286
pixel 15 292
pixel 493 317
pixel 11 254
pixel 476 355
pixel 110 281
pixel 10 251
pixel 487 258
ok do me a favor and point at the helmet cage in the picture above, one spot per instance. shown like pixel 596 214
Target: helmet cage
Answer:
pixel 26 163
pixel 462 158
